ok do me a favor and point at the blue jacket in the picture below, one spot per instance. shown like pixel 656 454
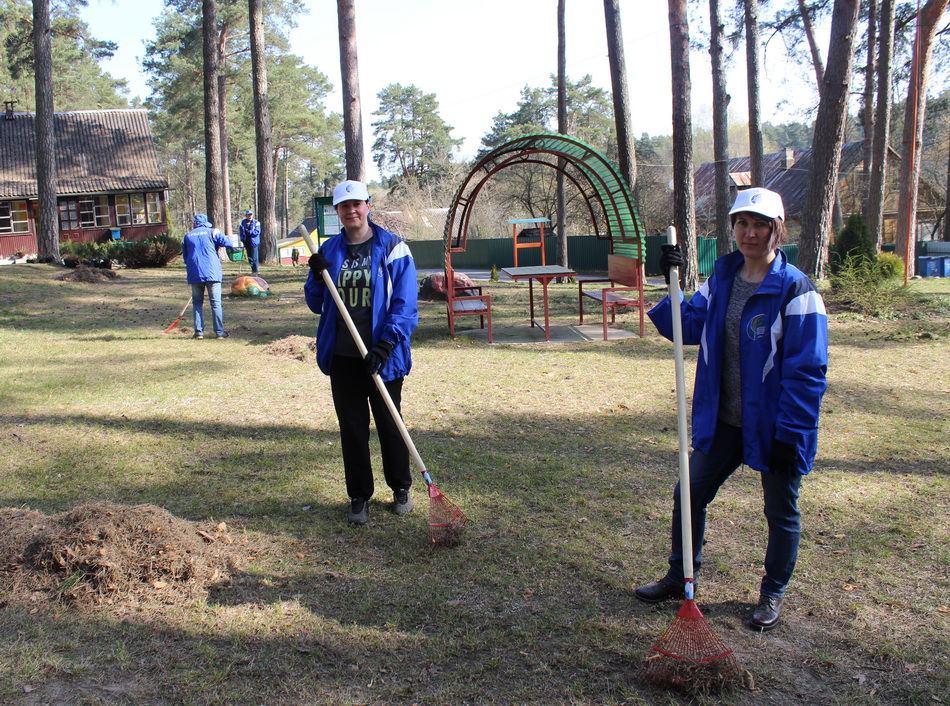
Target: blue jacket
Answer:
pixel 199 249
pixel 395 300
pixel 250 233
pixel 783 351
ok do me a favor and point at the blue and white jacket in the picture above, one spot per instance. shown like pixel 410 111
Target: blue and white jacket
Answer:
pixel 395 300
pixel 250 233
pixel 783 350
pixel 199 250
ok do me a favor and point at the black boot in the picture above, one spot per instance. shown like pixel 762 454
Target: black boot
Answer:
pixel 766 613
pixel 660 591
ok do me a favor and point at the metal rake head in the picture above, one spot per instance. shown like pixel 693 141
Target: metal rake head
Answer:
pixel 446 519
pixel 690 657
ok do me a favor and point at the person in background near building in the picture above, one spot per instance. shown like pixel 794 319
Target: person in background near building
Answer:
pixel 250 233
pixel 760 376
pixel 199 249
pixel 376 277
pixel 294 256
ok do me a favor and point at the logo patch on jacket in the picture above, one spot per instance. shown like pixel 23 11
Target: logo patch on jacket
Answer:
pixel 756 328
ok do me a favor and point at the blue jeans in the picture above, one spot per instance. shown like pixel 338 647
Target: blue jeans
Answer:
pixel 252 257
pixel 707 473
pixel 197 304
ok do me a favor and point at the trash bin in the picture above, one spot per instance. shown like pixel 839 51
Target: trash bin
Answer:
pixel 929 266
pixel 116 234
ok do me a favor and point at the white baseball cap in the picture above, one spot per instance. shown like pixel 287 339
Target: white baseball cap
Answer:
pixel 758 200
pixel 350 191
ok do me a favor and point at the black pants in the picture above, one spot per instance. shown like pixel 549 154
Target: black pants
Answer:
pixel 351 388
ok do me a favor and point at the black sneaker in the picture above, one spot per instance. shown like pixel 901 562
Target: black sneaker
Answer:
pixel 402 502
pixel 359 511
pixel 223 335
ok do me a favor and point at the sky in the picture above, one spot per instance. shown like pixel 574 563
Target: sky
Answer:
pixel 477 56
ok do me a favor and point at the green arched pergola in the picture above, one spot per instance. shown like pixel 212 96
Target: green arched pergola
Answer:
pixel 606 194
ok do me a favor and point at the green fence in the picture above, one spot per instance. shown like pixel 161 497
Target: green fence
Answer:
pixel 585 253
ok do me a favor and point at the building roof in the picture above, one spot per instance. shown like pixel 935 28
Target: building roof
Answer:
pixel 792 183
pixel 97 152
pixel 786 173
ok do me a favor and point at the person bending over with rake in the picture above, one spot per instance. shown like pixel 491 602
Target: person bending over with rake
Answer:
pixel 763 336
pixel 375 276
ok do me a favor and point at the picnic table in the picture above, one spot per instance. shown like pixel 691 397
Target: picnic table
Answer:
pixel 543 274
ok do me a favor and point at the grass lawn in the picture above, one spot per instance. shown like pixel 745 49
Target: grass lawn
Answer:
pixel 563 456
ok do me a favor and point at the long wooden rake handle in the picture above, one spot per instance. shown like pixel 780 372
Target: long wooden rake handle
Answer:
pixel 686 520
pixel 380 385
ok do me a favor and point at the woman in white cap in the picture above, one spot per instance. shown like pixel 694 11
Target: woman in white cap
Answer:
pixel 376 277
pixel 760 376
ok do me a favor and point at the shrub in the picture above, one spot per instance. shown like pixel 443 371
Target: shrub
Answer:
pixel 890 265
pixel 869 286
pixel 89 254
pixel 156 251
pixel 852 243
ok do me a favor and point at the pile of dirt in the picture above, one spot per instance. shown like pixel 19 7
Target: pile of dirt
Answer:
pixel 296 347
pixel 105 552
pixel 89 275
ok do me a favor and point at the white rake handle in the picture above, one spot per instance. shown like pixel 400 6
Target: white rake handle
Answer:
pixel 686 520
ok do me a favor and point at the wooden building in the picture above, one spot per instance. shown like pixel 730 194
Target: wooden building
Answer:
pixel 786 173
pixel 108 186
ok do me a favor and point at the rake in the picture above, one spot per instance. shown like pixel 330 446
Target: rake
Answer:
pixel 174 324
pixel 688 656
pixel 446 519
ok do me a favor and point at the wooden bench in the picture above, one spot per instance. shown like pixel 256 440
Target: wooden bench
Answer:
pixel 466 301
pixel 625 275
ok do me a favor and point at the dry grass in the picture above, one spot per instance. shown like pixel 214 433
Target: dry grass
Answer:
pixel 562 457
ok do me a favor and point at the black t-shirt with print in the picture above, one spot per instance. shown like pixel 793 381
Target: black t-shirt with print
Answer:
pixel 354 287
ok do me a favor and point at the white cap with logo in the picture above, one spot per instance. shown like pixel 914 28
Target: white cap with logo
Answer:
pixel 758 200
pixel 350 191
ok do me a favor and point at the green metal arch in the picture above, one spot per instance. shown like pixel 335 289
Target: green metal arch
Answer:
pixel 606 194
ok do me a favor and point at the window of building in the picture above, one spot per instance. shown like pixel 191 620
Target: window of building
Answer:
pixel 138 209
pixel 94 212
pixel 153 204
pixel 69 214
pixel 123 212
pixel 14 218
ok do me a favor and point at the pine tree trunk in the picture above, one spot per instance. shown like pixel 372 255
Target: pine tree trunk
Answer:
pixel 262 131
pixel 562 129
pixel 47 225
pixel 684 213
pixel 870 117
pixel 626 147
pixel 225 162
pixel 756 157
pixel 720 129
pixel 915 109
pixel 827 142
pixel 946 211
pixel 213 198
pixel 809 28
pixel 882 124
pixel 350 78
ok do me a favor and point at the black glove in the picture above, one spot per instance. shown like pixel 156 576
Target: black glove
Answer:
pixel 784 458
pixel 318 263
pixel 670 256
pixel 377 356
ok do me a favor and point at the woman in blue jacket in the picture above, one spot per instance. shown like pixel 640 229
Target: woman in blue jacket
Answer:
pixel 199 250
pixel 376 277
pixel 763 336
